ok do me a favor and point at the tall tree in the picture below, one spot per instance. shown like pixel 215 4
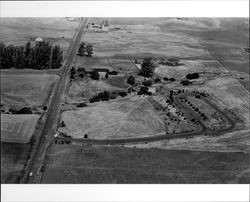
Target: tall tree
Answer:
pixel 89 49
pixel 147 68
pixel 82 49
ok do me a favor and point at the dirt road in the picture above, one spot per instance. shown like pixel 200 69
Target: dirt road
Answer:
pixel 202 131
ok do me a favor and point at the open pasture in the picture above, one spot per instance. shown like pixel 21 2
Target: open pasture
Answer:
pixel 124 118
pixel 86 88
pixel 18 31
pixel 76 164
pixel 189 66
pixel 25 89
pixel 17 128
pixel 90 63
pixel 124 65
pixel 145 37
pixel 118 81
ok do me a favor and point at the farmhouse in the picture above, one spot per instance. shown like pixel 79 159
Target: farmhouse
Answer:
pixel 39 40
pixel 101 71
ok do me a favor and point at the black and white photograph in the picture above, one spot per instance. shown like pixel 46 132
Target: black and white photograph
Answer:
pixel 125 100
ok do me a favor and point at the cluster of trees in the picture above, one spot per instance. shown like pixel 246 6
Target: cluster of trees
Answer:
pixel 147 83
pixel 85 49
pixel 95 75
pixel 41 56
pixel 82 104
pixel 193 76
pixel 24 110
pixel 147 68
pixel 144 91
pixel 169 79
pixel 106 96
pixel 186 82
pixel 131 80
pixel 196 109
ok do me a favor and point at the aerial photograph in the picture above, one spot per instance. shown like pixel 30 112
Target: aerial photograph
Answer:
pixel 125 100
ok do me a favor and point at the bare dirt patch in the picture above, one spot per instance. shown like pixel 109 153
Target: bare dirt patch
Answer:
pixel 125 118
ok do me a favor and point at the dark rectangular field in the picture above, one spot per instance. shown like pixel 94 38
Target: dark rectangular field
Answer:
pixel 75 164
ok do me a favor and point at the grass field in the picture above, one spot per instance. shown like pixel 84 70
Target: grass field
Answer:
pixel 142 38
pixel 90 63
pixel 19 31
pixel 25 89
pixel 84 89
pixel 17 128
pixel 188 66
pixel 76 164
pixel 123 65
pixel 125 118
pixel 13 159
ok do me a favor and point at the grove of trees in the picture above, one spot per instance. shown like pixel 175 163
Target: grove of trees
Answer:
pixel 193 76
pixel 131 80
pixel 147 68
pixel 85 49
pixel 95 75
pixel 41 56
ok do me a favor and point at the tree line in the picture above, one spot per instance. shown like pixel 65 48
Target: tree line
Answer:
pixel 41 56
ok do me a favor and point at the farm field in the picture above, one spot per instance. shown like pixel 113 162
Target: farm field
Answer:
pixel 189 38
pixel 123 118
pixel 76 164
pixel 123 65
pixel 237 65
pixel 25 89
pixel 17 128
pixel 188 66
pixel 59 31
pixel 90 63
pixel 234 96
pixel 142 38
pixel 13 159
pixel 84 89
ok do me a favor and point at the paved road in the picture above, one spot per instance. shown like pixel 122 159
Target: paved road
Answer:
pixel 201 131
pixel 35 163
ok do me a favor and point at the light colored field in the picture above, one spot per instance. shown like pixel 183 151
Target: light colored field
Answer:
pixel 25 89
pixel 126 118
pixel 189 66
pixel 17 128
pixel 19 31
pixel 146 37
pixel 123 65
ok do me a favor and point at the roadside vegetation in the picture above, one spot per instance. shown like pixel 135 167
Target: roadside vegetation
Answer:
pixel 85 49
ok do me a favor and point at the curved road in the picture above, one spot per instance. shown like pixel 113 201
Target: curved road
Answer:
pixel 164 136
